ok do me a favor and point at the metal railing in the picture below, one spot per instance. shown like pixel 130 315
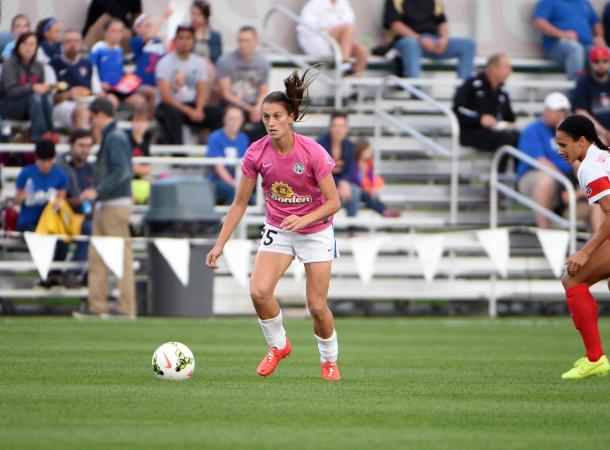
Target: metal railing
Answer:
pixel 336 81
pixel 495 186
pixel 433 146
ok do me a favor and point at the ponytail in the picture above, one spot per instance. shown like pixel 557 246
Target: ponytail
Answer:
pixel 295 98
pixel 577 126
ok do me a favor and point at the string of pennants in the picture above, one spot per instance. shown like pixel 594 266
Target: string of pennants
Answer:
pixel 429 248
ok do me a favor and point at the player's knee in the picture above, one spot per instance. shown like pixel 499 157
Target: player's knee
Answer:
pixel 260 294
pixel 318 312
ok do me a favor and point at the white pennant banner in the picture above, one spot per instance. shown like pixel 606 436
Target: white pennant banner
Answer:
pixel 111 249
pixel 554 245
pixel 495 243
pixel 42 249
pixel 429 252
pixel 298 270
pixel 177 253
pixel 365 251
pixel 237 254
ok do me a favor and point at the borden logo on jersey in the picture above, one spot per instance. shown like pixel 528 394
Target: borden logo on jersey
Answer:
pixel 283 193
pixel 298 168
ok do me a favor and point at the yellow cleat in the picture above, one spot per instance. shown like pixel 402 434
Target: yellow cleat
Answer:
pixel 584 368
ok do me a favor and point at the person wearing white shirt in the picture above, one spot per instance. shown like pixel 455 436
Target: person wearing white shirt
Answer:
pixel 335 17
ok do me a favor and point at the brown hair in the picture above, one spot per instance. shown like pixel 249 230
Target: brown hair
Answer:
pixel 360 146
pixel 20 40
pixel 203 7
pixel 295 98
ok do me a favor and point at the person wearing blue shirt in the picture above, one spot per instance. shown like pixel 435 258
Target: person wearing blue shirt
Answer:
pixel 76 71
pixel 147 49
pixel 38 184
pixel 538 141
pixel 107 59
pixel 341 148
pixel 570 28
pixel 225 142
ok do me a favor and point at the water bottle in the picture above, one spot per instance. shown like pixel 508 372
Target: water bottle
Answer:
pixel 86 207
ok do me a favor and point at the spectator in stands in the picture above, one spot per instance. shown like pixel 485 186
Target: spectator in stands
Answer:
pixel 48 32
pixel 147 51
pixel 363 175
pixel 184 89
pixel 112 191
pixel 419 28
pixel 244 79
pixel 591 96
pixel 19 25
pixel 76 72
pixel 337 143
pixel 100 11
pixel 538 141
pixel 208 42
pixel 37 184
pixel 80 174
pixel 483 107
pixel 226 142
pixel 107 59
pixel 569 29
pixel 335 18
pixel 139 139
pixel 24 94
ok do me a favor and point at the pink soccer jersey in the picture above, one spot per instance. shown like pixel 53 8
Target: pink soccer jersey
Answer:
pixel 593 174
pixel 290 181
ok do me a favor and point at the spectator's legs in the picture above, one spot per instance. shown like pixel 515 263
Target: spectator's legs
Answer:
pixel 41 115
pixel 82 247
pixel 225 193
pixel 373 202
pixel 150 95
pixel 462 48
pixel 116 223
pixel 81 116
pixel 541 188
pixel 344 35
pixel 410 52
pixel 571 55
pixel 171 121
pixel 350 194
pixel 97 279
pixel 136 101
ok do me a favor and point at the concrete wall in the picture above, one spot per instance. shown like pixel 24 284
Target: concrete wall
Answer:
pixel 497 25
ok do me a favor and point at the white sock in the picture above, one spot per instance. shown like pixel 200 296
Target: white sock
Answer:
pixel 274 332
pixel 329 348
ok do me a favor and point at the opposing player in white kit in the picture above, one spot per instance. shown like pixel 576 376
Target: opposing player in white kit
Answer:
pixel 301 199
pixel 578 141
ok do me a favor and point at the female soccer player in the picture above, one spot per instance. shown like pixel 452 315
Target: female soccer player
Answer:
pixel 301 200
pixel 578 141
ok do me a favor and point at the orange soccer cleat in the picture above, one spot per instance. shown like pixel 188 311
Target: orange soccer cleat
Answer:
pixel 272 359
pixel 330 371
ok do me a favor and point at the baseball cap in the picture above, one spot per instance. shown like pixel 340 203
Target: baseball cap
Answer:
pixel 598 53
pixel 556 101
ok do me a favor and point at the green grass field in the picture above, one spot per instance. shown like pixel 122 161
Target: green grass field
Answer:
pixel 408 383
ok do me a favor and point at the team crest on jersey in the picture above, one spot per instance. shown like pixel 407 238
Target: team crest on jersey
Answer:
pixel 282 193
pixel 588 191
pixel 328 159
pixel 298 168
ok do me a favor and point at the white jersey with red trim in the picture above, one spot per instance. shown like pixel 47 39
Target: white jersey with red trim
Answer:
pixel 594 174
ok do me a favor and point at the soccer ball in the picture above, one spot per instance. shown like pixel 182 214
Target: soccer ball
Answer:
pixel 173 361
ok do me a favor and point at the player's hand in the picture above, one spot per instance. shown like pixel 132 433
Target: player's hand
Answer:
pixel 576 262
pixel 212 257
pixel 294 223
